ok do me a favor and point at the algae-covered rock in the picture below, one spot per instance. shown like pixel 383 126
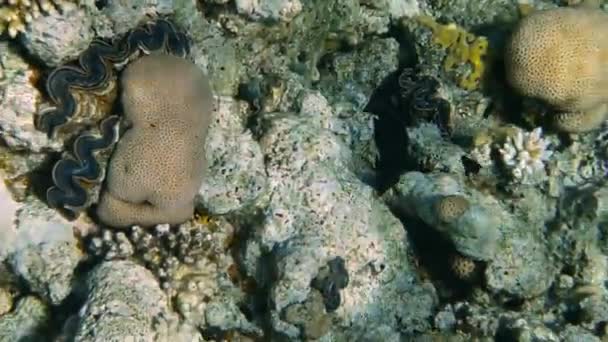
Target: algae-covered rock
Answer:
pixel 18 103
pixel 60 36
pixel 42 249
pixel 235 178
pixel 27 322
pixel 123 302
pixel 474 223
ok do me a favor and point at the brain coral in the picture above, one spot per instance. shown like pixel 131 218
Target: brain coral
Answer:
pixel 157 166
pixel 561 57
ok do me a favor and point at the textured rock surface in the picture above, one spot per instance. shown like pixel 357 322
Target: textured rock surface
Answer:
pixel 27 322
pixel 124 302
pixel 60 36
pixel 295 235
pixel 474 233
pixel 8 209
pixel 309 166
pixel 18 103
pixel 236 177
pixel 41 249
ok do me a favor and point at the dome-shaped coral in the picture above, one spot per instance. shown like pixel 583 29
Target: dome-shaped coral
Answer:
pixel 561 57
pixel 158 164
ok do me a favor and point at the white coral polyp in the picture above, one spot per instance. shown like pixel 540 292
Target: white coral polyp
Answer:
pixel 525 154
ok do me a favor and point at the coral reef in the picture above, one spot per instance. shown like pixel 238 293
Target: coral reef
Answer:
pixel 193 266
pixel 440 202
pixel 9 207
pixel 18 103
pixel 555 56
pixel 124 302
pixel 44 36
pixel 362 172
pixel 41 248
pixel 269 10
pixel 235 179
pixel 157 166
pixel 431 152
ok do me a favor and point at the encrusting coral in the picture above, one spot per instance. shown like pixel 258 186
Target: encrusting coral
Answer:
pixel 560 56
pixel 16 14
pixel 449 208
pixel 157 166
pixel 94 73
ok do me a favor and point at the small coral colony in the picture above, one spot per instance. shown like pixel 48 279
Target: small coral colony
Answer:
pixel 575 87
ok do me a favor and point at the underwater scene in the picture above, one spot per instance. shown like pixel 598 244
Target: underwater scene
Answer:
pixel 303 170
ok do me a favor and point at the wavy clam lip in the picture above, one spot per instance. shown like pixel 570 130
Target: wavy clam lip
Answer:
pixel 157 35
pixel 68 193
pixel 93 73
pixel 94 68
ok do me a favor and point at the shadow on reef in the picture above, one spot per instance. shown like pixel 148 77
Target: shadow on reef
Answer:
pixel 433 254
pixel 38 178
pixel 389 132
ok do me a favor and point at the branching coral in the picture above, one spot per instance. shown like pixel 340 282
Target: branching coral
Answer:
pixel 561 57
pixel 525 154
pixel 16 14
pixel 157 166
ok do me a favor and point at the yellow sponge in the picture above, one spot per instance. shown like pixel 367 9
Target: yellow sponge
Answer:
pixel 461 47
pixel 157 166
pixel 561 57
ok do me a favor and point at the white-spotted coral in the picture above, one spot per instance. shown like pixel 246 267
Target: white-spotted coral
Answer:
pixel 525 154
pixel 157 166
pixel 561 57
pixel 16 14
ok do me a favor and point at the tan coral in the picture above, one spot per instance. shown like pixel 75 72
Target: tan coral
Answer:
pixel 561 57
pixel 157 166
pixel 462 267
pixel 450 208
pixel 579 122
